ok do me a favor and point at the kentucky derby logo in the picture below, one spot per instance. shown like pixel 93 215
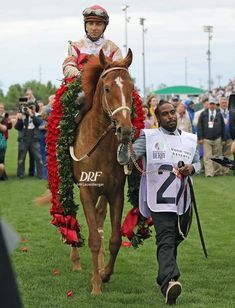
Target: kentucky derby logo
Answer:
pixel 159 146
pixel 160 152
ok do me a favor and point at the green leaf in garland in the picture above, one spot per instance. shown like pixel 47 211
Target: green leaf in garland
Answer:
pixel 66 138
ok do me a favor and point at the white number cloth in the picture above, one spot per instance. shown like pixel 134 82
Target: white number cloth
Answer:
pixel 162 190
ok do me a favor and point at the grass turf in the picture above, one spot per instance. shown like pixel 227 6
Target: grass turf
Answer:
pixel 206 282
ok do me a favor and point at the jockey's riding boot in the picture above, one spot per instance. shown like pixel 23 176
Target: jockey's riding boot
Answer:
pixel 79 102
pixel 83 107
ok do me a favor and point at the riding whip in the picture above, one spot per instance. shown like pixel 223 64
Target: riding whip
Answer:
pixel 181 164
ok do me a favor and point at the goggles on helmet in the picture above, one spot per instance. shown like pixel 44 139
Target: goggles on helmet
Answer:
pixel 96 11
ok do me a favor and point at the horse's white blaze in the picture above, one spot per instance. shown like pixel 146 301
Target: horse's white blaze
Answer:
pixel 119 82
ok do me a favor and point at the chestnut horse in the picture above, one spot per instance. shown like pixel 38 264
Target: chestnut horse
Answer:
pixel 98 174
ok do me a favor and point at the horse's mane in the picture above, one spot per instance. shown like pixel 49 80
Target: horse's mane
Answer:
pixel 90 76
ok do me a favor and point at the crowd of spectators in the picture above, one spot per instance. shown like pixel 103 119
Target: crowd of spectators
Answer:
pixel 31 123
pixel 5 125
pixel 214 124
pixel 224 91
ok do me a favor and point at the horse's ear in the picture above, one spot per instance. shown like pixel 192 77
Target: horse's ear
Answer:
pixel 103 60
pixel 128 59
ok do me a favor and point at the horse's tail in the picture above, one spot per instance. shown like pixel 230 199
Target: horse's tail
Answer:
pixel 45 198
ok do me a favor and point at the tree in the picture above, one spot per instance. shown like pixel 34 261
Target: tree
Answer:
pixel 40 91
pixel 1 96
pixel 12 97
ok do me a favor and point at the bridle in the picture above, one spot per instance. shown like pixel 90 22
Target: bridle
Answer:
pixel 110 113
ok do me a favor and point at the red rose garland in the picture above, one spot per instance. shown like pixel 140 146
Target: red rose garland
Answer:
pixel 51 141
pixel 136 227
pixel 63 217
pixel 138 117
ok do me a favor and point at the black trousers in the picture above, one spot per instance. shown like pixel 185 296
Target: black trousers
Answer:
pixel 167 240
pixel 9 293
pixel 23 148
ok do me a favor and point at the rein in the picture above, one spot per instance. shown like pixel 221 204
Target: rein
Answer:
pixel 132 156
pixel 93 148
pixel 110 113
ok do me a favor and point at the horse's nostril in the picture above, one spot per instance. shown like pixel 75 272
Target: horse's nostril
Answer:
pixel 123 134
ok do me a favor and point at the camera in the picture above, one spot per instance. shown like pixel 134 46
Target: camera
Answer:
pixel 23 99
pixel 24 105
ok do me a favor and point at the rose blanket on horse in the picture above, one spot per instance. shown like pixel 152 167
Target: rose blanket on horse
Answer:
pixel 61 134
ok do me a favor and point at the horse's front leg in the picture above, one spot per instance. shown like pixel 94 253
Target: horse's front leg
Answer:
pixel 101 211
pixel 116 206
pixel 89 200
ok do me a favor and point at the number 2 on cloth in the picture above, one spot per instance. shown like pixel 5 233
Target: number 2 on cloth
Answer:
pixel 165 185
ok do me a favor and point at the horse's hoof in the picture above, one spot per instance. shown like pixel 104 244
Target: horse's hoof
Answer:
pixel 105 277
pixel 77 266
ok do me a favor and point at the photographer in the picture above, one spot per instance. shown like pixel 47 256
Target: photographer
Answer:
pixel 27 123
pixel 6 121
pixel 31 99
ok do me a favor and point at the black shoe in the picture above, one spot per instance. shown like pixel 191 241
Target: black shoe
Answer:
pixel 173 291
pixel 4 176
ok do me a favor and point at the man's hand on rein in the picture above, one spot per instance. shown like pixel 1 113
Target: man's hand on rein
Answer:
pixel 186 170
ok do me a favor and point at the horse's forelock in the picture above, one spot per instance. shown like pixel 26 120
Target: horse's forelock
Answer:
pixel 91 73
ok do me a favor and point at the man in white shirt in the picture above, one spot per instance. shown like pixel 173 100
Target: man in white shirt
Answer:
pixel 169 157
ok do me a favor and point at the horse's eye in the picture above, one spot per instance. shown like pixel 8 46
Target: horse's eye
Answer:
pixel 106 89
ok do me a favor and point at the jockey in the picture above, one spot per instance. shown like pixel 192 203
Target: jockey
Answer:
pixel 96 20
